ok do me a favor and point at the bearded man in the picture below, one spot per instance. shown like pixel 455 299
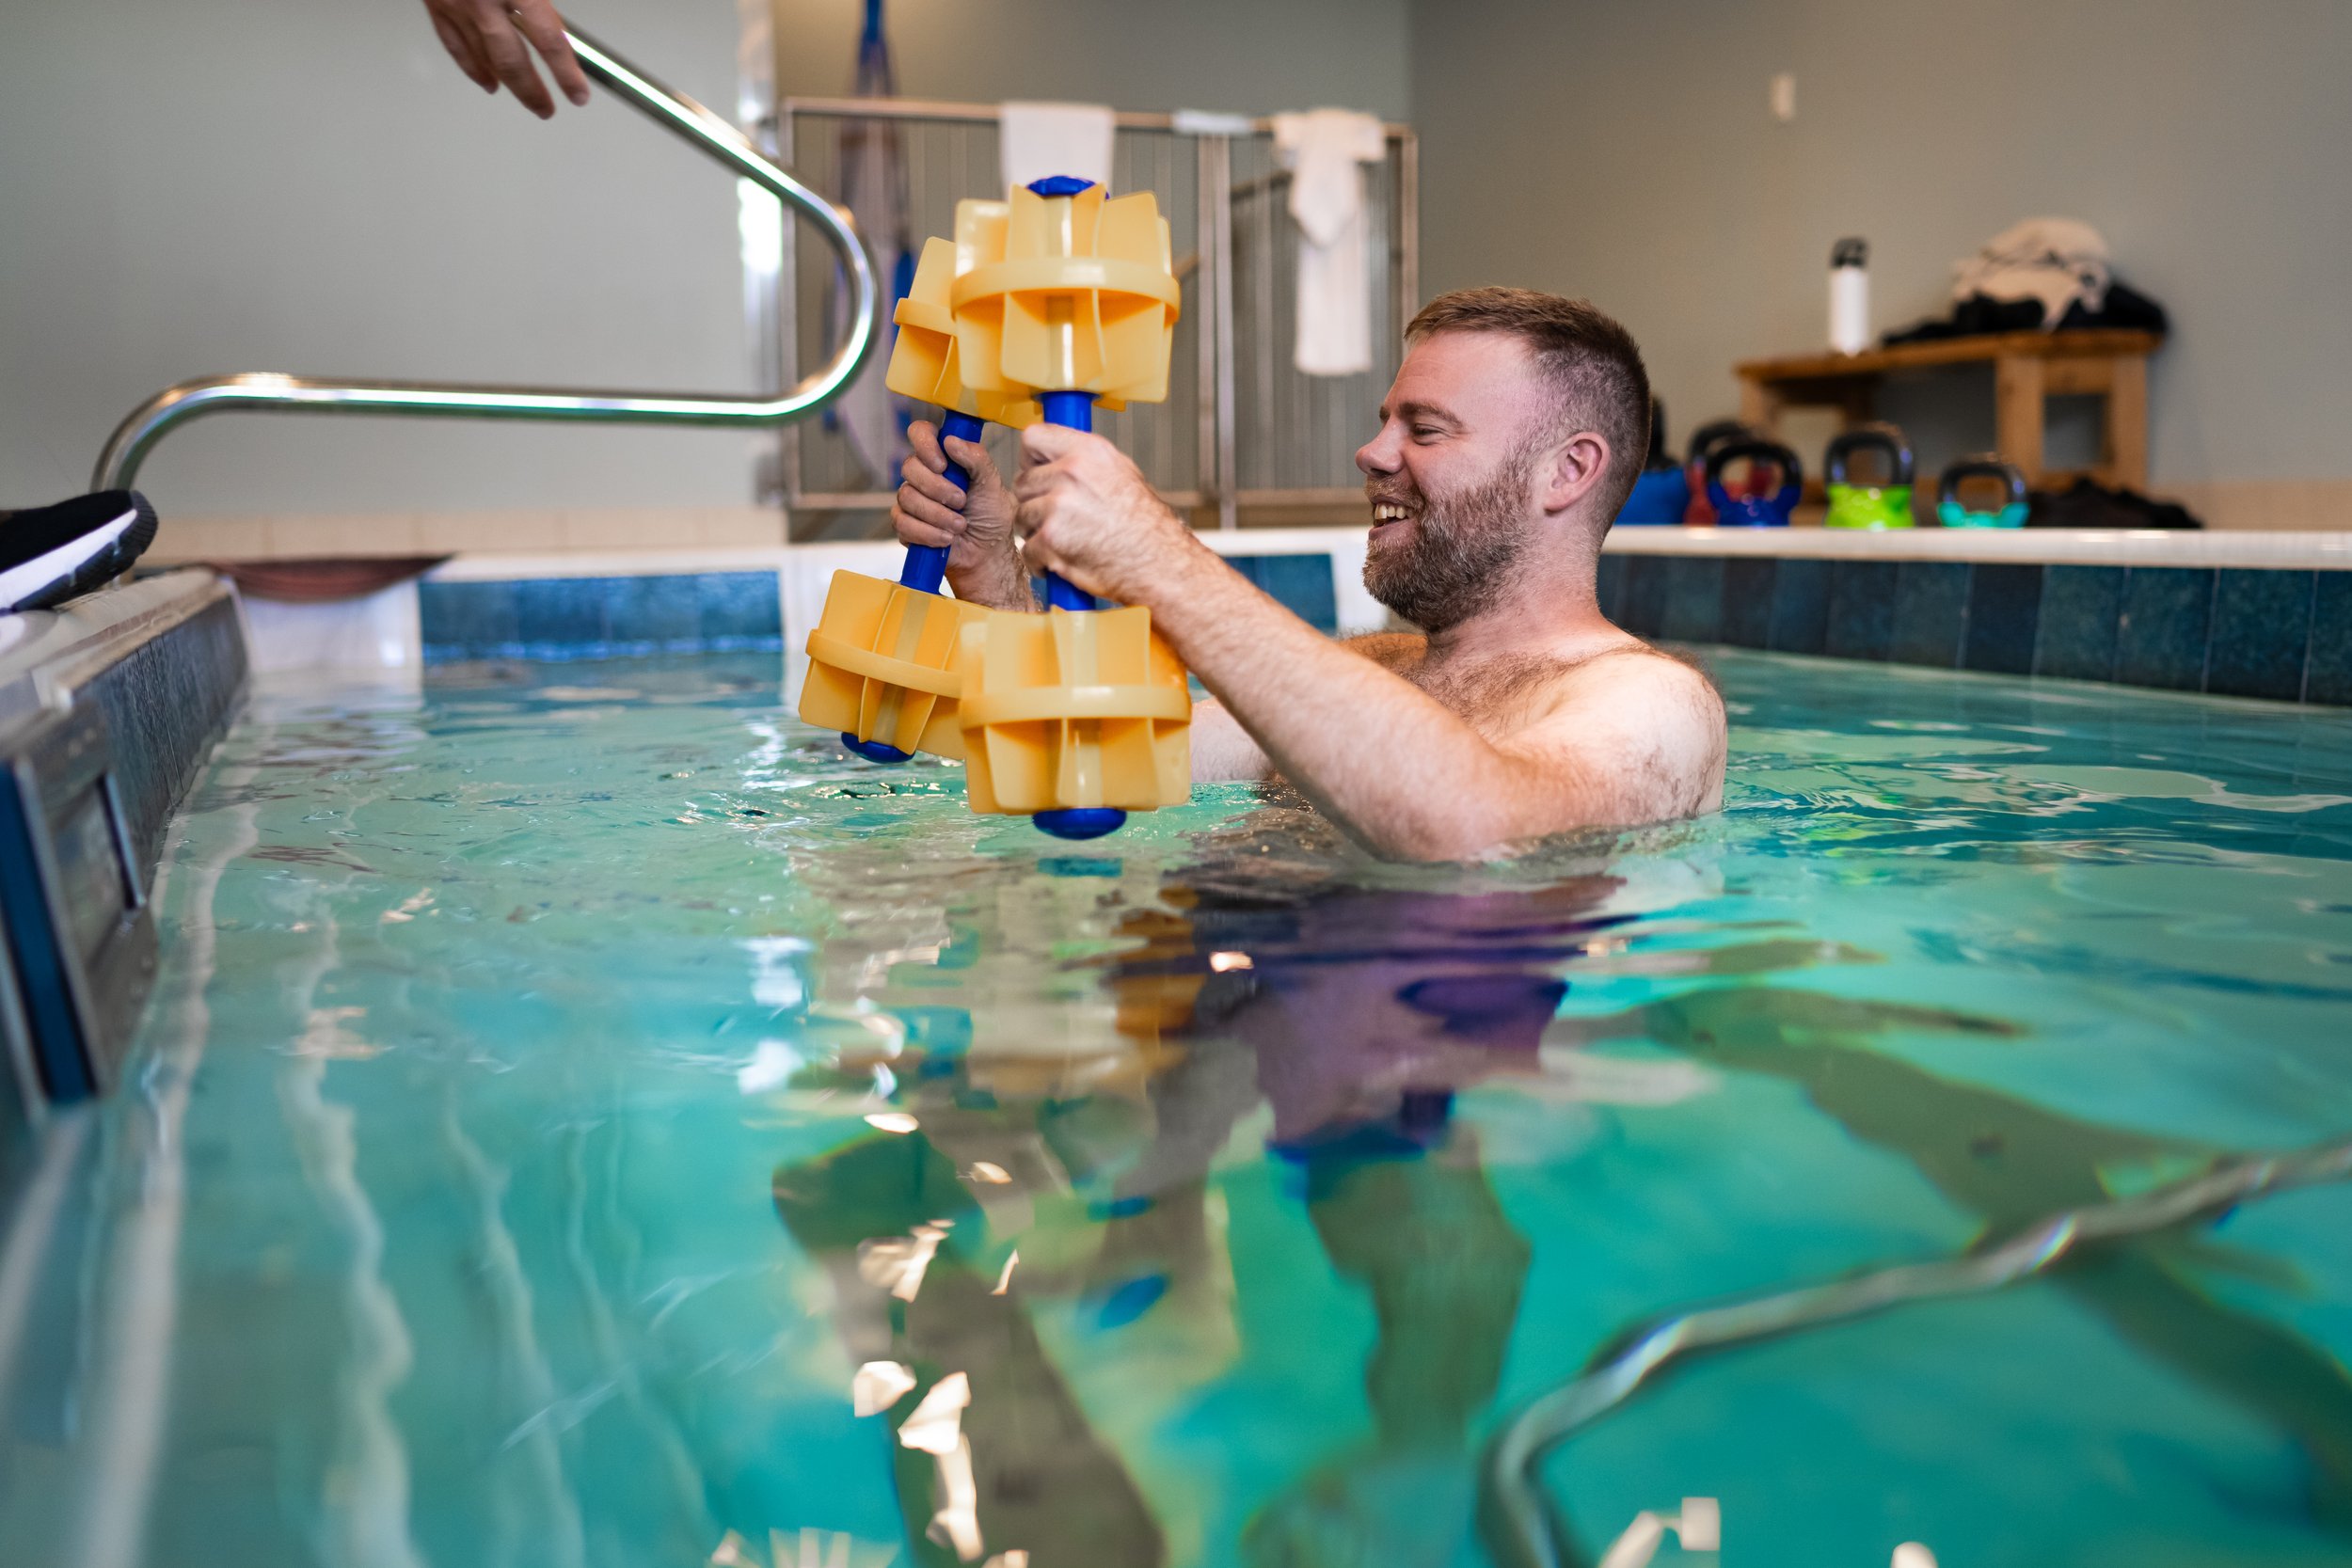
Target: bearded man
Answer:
pixel 1512 435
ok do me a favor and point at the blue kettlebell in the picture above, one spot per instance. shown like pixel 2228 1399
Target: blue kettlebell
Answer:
pixel 1661 496
pixel 1951 514
pixel 1661 492
pixel 1754 510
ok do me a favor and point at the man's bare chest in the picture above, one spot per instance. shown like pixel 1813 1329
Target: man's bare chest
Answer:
pixel 1496 697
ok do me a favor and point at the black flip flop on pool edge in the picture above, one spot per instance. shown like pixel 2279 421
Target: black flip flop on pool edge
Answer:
pixel 51 553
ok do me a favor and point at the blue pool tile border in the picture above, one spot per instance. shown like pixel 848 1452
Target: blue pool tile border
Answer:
pixel 1302 584
pixel 2328 662
pixel 2003 606
pixel 601 617
pixel 2075 635
pixel 2261 636
pixel 2160 636
pixel 1931 613
pixel 2278 633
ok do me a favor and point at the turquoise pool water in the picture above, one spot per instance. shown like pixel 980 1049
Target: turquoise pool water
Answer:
pixel 564 1083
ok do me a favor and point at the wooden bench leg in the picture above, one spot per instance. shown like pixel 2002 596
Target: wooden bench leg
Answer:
pixel 2017 412
pixel 2127 423
pixel 1859 403
pixel 1759 406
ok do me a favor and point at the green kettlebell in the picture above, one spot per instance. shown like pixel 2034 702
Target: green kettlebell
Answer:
pixel 1871 506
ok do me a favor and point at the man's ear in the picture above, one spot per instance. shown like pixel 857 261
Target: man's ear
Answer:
pixel 1573 471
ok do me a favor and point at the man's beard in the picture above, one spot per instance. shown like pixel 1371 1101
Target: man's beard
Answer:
pixel 1462 550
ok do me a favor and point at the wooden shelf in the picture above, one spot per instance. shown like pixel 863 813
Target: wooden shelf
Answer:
pixel 2028 369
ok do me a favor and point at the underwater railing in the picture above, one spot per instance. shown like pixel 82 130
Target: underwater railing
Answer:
pixel 1524 1530
pixel 265 392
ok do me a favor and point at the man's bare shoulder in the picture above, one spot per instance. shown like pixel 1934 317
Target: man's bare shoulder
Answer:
pixel 1658 720
pixel 1644 679
pixel 1635 662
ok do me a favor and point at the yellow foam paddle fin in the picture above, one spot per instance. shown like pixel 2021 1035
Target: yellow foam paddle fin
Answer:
pixel 922 361
pixel 882 665
pixel 1067 710
pixel 1072 293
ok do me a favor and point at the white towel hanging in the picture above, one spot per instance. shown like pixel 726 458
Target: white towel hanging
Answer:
pixel 1036 141
pixel 1326 150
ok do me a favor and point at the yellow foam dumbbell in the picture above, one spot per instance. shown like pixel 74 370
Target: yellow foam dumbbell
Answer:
pixel 1066 295
pixel 1062 289
pixel 881 660
pixel 1077 713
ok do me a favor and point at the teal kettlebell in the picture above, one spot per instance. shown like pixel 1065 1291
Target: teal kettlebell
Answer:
pixel 1951 514
pixel 1869 506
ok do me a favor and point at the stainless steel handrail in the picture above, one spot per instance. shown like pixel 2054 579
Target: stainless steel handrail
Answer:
pixel 1516 1515
pixel 265 392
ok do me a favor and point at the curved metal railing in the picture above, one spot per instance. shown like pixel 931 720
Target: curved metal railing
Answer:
pixel 1517 1519
pixel 264 391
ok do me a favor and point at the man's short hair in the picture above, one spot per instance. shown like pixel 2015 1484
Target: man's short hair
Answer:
pixel 1591 363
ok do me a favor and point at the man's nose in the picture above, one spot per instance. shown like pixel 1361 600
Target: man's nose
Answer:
pixel 1381 454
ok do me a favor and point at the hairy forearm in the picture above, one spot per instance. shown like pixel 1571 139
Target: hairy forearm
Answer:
pixel 1394 768
pixel 999 581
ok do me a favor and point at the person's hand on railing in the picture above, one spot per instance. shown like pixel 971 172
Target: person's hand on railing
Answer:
pixel 491 41
pixel 975 525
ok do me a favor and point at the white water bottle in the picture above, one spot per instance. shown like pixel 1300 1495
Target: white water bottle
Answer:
pixel 1850 296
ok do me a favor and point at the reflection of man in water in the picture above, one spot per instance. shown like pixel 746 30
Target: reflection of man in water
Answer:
pixel 1357 1016
pixel 1364 1011
pixel 1515 428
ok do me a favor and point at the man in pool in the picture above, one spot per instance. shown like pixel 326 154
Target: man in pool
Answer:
pixel 1513 432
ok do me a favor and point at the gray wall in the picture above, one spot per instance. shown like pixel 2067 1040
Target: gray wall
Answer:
pixel 1252 57
pixel 193 187
pixel 190 188
pixel 1624 149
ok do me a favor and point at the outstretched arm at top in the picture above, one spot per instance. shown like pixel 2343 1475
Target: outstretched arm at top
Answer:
pixel 492 41
pixel 1632 738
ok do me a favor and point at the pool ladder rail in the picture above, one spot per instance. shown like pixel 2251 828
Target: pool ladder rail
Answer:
pixel 265 392
pixel 1524 1529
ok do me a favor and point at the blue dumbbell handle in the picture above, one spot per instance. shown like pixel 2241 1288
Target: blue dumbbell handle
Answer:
pixel 1074 410
pixel 926 564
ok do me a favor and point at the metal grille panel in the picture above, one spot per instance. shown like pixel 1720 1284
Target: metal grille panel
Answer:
pixel 1242 435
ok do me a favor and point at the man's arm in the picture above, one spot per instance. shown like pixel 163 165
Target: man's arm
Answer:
pixel 1635 739
pixel 984 566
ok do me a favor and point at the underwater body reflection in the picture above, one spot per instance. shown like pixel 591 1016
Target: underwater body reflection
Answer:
pixel 1353 1015
pixel 1347 1016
